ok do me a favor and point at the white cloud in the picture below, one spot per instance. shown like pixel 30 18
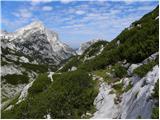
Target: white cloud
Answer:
pixel 35 2
pixel 129 1
pixel 80 12
pixel 66 1
pixel 23 13
pixel 47 8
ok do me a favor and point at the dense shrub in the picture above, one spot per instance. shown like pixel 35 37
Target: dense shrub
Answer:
pixel 119 71
pixel 155 113
pixel 75 90
pixel 74 61
pixel 32 107
pixel 144 69
pixel 16 79
pixel 155 95
pixel 40 68
pixel 156 91
pixel 40 84
pixel 70 95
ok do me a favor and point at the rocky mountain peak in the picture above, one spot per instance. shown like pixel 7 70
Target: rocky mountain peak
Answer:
pixel 33 25
pixel 36 38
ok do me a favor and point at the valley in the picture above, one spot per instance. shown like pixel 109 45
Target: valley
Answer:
pixel 43 78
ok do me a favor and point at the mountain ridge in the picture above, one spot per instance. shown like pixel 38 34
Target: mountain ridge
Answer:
pixel 28 34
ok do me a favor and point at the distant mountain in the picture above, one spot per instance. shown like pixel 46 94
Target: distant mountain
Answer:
pixel 37 42
pixel 84 46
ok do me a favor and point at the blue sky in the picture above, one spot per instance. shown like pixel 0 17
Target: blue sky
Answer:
pixel 76 21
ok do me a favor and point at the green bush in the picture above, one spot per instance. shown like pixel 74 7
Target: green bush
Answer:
pixel 94 48
pixel 119 71
pixel 128 87
pixel 144 69
pixel 16 79
pixel 40 68
pixel 74 61
pixel 75 90
pixel 156 90
pixel 118 88
pixel 155 113
pixel 40 84
pixel 32 107
pixel 70 95
pixel 155 95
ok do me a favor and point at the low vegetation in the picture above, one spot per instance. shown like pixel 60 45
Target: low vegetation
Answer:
pixel 119 71
pixel 94 48
pixel 128 87
pixel 155 95
pixel 70 95
pixel 74 61
pixel 39 68
pixel 40 84
pixel 144 69
pixel 155 113
pixel 15 79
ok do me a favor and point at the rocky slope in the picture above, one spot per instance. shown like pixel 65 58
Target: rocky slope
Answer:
pixel 135 98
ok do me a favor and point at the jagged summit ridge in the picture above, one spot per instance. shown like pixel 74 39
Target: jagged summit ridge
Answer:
pixel 36 39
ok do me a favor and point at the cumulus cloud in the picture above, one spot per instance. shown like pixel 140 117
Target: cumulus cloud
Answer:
pixel 47 8
pixel 66 1
pixel 23 13
pixel 36 2
pixel 80 12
